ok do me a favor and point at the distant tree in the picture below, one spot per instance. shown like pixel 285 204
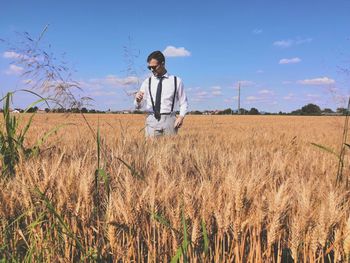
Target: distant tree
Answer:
pixel 226 112
pixel 74 110
pixel 33 109
pixel 59 110
pixel 84 110
pixel 311 109
pixel 342 111
pixel 196 112
pixel 253 111
pixel 47 110
pixel 1 110
pixel 296 112
pixel 92 111
pixel 137 112
pixel 243 111
pixel 328 110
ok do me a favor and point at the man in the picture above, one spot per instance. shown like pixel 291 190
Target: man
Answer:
pixel 159 94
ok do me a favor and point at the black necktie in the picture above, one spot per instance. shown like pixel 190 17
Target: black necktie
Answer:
pixel 158 97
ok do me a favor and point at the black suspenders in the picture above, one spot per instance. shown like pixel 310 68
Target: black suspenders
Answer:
pixel 149 89
pixel 150 93
pixel 175 84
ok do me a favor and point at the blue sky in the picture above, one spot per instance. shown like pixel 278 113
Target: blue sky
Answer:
pixel 285 54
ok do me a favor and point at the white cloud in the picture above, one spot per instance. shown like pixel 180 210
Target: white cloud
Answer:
pixel 283 43
pixel 257 31
pixel 265 92
pixel 286 82
pixel 116 81
pixel 231 100
pixel 11 54
pixel 91 85
pixel 14 70
pixel 313 96
pixel 317 81
pixel 202 93
pixel 244 83
pixel 290 42
pixel 16 56
pixel 299 41
pixel 197 99
pixel 289 60
pixel 266 96
pixel 171 51
pixel 290 96
pixel 193 89
pixel 259 71
pixel 216 92
pixel 100 93
pixel 252 98
pixel 201 96
pixel 111 80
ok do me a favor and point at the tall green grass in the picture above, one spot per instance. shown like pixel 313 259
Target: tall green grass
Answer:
pixel 13 137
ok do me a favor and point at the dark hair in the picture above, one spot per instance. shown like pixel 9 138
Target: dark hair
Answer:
pixel 156 55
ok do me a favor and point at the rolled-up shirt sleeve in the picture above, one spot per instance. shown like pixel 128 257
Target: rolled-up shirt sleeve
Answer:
pixel 141 104
pixel 182 99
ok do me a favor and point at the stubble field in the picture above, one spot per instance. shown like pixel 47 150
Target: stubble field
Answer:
pixel 226 189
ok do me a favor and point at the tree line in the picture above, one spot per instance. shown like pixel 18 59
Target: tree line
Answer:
pixel 309 110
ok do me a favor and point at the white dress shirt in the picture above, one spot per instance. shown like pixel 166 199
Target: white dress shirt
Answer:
pixel 168 86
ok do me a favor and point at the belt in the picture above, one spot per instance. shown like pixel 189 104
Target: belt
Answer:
pixel 165 113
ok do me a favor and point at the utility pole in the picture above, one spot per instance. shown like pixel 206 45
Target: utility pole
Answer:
pixel 239 98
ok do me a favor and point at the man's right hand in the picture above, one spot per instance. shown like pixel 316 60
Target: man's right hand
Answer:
pixel 139 96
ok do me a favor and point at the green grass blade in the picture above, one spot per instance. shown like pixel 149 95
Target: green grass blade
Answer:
pixel 102 173
pixel 98 146
pixel 161 220
pixel 26 128
pixel 205 237
pixel 61 221
pixel 38 95
pixel 133 171
pixel 33 104
pixel 324 148
pixel 48 134
pixel 6 96
pixel 177 256
pixel 185 242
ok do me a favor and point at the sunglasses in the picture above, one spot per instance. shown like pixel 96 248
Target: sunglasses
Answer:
pixel 152 67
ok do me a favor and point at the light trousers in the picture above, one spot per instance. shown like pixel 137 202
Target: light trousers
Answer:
pixel 165 126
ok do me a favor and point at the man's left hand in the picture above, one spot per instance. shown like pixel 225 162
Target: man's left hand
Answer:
pixel 178 122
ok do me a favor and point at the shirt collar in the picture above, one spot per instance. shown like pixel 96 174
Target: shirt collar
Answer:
pixel 166 75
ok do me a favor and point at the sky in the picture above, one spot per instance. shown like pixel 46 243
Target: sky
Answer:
pixel 284 54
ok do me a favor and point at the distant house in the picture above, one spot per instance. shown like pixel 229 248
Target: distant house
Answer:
pixel 14 111
pixel 41 111
pixel 211 112
pixel 331 113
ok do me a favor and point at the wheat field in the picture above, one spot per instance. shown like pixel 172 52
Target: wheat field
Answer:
pixel 226 189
